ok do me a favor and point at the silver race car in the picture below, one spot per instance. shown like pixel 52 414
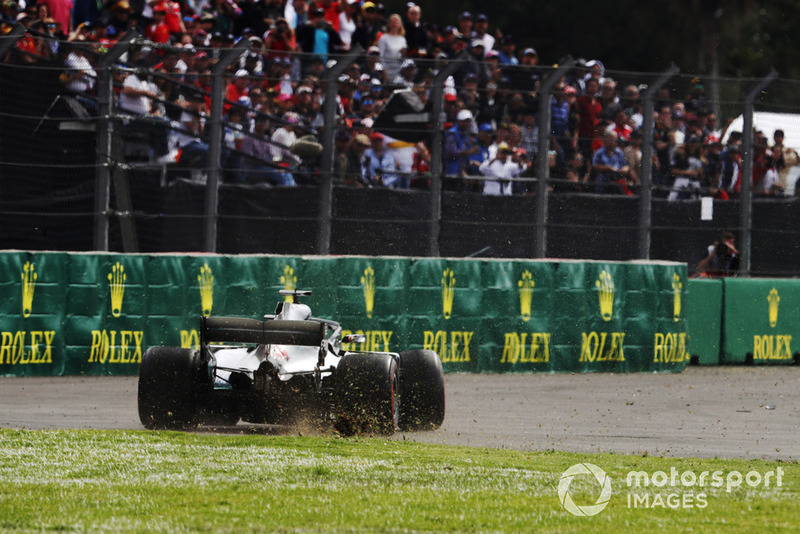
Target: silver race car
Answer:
pixel 288 367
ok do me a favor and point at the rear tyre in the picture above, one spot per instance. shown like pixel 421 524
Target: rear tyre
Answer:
pixel 169 380
pixel 368 396
pixel 421 390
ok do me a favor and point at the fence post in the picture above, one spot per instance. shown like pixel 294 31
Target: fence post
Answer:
pixel 329 148
pixel 214 124
pixel 105 125
pixel 746 199
pixel 542 159
pixel 646 176
pixel 437 148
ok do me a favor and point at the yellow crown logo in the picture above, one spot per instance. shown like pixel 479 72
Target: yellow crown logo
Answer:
pixel 368 283
pixel 448 283
pixel 116 285
pixel 289 281
pixel 605 292
pixel 676 295
pixel 773 300
pixel 206 280
pixel 29 277
pixel 526 284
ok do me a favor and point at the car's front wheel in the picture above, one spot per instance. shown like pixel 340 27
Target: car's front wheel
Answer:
pixel 368 394
pixel 168 386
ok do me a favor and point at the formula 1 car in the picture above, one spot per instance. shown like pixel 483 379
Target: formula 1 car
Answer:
pixel 287 367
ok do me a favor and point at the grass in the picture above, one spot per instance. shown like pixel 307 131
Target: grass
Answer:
pixel 179 482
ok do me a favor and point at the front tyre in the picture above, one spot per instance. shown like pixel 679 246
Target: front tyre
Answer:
pixel 169 379
pixel 368 395
pixel 421 390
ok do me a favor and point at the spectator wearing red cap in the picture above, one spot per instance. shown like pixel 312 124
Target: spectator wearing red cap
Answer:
pixel 158 31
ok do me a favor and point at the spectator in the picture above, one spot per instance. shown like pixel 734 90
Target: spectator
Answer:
pixel 80 76
pixel 61 12
pixel 481 33
pixel 257 152
pixel 356 172
pixel 381 167
pixel 731 170
pixel 577 174
pixel 610 167
pixel 712 166
pixel 507 48
pixel 663 141
pixel 138 93
pixel 633 154
pixel 529 130
pixel 459 146
pixel 609 98
pixel 503 167
pixel 237 88
pixel 348 22
pixel 317 37
pixel 561 141
pixel 279 41
pixel 721 259
pixel 632 104
pixel 367 29
pixel 416 34
pixel 589 112
pixel 785 158
pixel 392 45
pixel 282 140
pixel 405 78
pixel 621 126
pixel 687 170
pixel 296 13
pixel 464 25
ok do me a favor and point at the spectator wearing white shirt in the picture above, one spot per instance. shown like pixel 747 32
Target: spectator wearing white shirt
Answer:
pixel 502 166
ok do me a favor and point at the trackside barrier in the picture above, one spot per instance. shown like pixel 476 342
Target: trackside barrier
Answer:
pixel 704 323
pixel 761 320
pixel 68 314
pixel 743 320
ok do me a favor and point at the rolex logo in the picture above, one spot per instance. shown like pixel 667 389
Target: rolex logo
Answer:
pixel 28 285
pixel 605 292
pixel 676 294
pixel 116 285
pixel 526 284
pixel 289 281
pixel 773 300
pixel 448 283
pixel 368 283
pixel 206 280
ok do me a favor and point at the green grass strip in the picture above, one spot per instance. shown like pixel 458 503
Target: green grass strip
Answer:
pixel 113 481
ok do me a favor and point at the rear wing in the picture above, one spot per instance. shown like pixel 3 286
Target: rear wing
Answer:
pixel 253 331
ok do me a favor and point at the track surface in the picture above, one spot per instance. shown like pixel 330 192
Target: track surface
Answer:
pixel 726 412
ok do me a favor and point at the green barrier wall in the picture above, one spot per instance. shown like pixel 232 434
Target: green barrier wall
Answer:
pixel 97 313
pixel 704 320
pixel 761 319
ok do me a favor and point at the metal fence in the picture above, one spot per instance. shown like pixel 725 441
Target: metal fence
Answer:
pixel 76 163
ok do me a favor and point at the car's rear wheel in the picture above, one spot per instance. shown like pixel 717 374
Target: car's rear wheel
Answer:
pixel 169 380
pixel 368 395
pixel 421 390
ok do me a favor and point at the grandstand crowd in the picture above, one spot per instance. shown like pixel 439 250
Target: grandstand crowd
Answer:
pixel 275 94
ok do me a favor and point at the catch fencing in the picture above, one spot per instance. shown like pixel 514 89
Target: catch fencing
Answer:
pixel 76 181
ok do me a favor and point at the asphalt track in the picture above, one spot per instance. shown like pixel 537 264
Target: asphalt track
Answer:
pixel 725 412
